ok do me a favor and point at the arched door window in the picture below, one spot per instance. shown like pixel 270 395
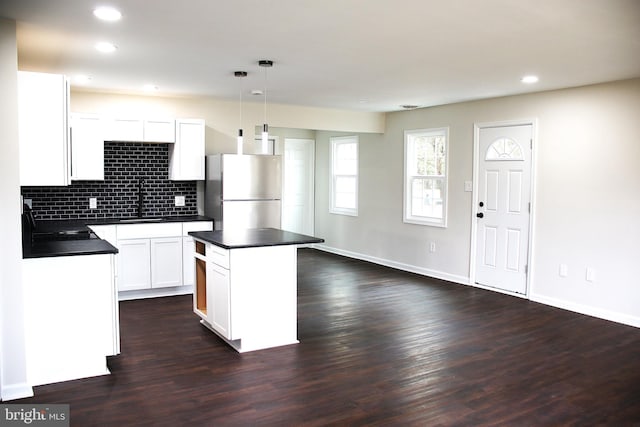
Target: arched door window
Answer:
pixel 504 149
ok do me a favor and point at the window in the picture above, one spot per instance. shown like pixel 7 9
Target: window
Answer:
pixel 425 170
pixel 344 175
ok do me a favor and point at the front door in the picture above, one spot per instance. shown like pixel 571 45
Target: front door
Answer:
pixel 503 211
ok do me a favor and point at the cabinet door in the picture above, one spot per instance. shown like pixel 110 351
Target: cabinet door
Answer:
pixel 43 128
pixel 187 154
pixel 125 129
pixel 160 130
pixel 188 261
pixel 134 269
pixel 166 262
pixel 219 299
pixel 87 147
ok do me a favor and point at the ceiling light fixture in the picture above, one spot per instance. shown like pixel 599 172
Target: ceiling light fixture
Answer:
pixel 106 13
pixel 409 107
pixel 265 63
pixel 529 79
pixel 240 141
pixel 106 47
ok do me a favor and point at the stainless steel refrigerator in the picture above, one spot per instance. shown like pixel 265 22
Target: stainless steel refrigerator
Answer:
pixel 243 191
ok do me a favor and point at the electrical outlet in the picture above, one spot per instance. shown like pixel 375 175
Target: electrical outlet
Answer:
pixel 93 203
pixel 179 200
pixel 468 186
pixel 564 270
pixel 590 275
pixel 432 247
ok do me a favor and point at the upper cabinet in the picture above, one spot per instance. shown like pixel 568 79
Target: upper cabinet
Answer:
pixel 140 130
pixel 43 125
pixel 87 147
pixel 159 130
pixel 186 156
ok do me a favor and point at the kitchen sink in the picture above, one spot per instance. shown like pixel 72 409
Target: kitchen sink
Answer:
pixel 141 220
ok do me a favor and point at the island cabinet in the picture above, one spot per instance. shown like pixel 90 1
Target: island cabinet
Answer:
pixel 246 286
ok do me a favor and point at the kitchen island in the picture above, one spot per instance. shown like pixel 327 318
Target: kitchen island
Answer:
pixel 246 285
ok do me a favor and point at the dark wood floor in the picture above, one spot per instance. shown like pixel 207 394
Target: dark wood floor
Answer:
pixel 378 347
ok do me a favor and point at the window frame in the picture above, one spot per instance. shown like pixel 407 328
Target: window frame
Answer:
pixel 407 217
pixel 334 143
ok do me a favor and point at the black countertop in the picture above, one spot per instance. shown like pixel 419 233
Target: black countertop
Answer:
pixel 253 238
pixel 39 248
pixel 55 248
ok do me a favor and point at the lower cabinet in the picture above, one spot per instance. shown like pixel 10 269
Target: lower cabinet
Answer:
pixel 134 261
pixel 213 290
pixel 166 262
pixel 219 283
pixel 156 256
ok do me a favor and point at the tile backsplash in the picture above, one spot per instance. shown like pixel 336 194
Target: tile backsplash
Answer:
pixel 117 196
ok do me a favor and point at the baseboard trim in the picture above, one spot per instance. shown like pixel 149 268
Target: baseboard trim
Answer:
pixel 397 265
pixel 587 310
pixel 154 293
pixel 16 391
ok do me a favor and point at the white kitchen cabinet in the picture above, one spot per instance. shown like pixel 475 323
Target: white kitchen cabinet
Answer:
pixel 166 262
pixel 125 129
pixel 43 123
pixel 186 156
pixel 134 264
pixel 159 130
pixel 213 291
pixel 219 300
pixel 141 130
pixel 87 147
pixel 188 249
pixel 247 295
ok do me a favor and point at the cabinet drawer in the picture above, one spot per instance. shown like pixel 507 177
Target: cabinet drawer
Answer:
pixel 148 231
pixel 218 255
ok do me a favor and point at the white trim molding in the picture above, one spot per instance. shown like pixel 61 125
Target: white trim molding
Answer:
pixel 462 280
pixel 587 310
pixel 16 391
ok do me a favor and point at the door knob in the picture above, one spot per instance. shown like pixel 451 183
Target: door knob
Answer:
pixel 480 215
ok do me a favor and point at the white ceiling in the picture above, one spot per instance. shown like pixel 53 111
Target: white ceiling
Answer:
pixel 365 55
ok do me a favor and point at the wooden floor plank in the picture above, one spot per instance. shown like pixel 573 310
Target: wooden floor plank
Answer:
pixel 378 347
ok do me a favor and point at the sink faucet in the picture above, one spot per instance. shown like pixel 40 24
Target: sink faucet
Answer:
pixel 140 197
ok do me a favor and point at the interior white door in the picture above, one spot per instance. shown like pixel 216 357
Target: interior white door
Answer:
pixel 503 211
pixel 298 186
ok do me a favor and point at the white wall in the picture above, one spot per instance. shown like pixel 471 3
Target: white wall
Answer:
pixel 586 212
pixel 13 373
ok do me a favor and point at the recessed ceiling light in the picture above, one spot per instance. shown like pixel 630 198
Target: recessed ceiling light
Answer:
pixel 106 13
pixel 149 87
pixel 82 79
pixel 106 47
pixel 529 79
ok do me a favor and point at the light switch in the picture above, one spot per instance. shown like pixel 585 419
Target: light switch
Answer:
pixel 179 200
pixel 468 186
pixel 93 203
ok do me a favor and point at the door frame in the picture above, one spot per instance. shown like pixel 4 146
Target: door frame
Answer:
pixel 477 127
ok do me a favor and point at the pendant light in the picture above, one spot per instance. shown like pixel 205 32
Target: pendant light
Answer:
pixel 240 141
pixel 265 63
